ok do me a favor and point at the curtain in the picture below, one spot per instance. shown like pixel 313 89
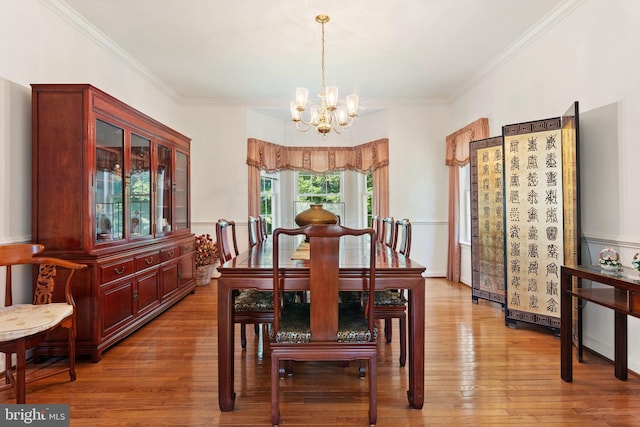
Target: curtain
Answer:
pixel 370 157
pixel 457 154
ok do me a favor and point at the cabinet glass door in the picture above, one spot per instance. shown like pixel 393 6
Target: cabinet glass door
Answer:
pixel 182 199
pixel 109 213
pixel 139 205
pixel 164 187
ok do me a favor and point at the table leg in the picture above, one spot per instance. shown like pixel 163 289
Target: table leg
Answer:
pixel 566 315
pixel 620 346
pixel 226 395
pixel 415 394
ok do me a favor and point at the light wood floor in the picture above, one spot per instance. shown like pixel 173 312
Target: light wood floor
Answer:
pixel 478 372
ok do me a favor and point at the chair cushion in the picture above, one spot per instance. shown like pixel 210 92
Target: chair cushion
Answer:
pixel 389 297
pixel 253 300
pixel 295 327
pixel 23 320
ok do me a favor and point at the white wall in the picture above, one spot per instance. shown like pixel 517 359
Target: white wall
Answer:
pixel 588 56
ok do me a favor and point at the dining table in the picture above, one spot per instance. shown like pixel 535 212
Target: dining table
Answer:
pixel 253 269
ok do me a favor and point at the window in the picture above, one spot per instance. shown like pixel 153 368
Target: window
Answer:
pixel 465 203
pixel 325 189
pixel 368 198
pixel 317 188
pixel 268 194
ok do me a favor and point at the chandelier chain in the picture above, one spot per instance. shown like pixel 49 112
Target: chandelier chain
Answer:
pixel 323 86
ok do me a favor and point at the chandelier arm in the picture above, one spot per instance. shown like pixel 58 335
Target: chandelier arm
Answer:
pixel 301 129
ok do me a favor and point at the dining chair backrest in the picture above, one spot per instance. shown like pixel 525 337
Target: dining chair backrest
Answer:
pixel 375 224
pixel 254 230
pixel 324 280
pixel 402 242
pixel 264 232
pixel 223 229
pixel 388 228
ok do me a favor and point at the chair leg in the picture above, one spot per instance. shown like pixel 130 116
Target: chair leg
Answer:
pixel 275 398
pixel 373 395
pixel 243 335
pixel 387 329
pixel 256 328
pixel 8 379
pixel 403 340
pixel 21 368
pixel 72 353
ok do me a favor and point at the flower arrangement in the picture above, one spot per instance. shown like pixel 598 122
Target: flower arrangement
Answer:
pixel 609 258
pixel 635 263
pixel 206 250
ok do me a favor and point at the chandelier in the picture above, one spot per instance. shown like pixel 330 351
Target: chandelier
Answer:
pixel 331 113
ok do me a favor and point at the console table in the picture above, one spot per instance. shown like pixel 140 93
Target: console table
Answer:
pixel 622 295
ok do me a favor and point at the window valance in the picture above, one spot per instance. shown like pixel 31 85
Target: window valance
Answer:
pixel 458 142
pixel 362 158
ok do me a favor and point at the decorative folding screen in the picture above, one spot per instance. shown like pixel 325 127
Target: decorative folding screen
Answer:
pixel 487 216
pixel 571 196
pixel 534 218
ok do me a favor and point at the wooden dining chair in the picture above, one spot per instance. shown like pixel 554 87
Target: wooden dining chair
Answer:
pixel 387 233
pixel 324 328
pixel 254 231
pixel 249 306
pixel 24 326
pixel 392 303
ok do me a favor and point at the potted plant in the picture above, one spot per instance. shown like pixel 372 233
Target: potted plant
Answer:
pixel 206 258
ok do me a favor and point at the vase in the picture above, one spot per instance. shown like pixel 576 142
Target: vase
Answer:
pixel 316 214
pixel 203 274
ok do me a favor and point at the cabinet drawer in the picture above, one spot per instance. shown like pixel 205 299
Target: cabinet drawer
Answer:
pixel 110 272
pixel 147 260
pixel 186 247
pixel 169 253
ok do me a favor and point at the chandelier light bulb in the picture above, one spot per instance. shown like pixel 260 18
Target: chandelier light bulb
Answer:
pixel 296 114
pixel 302 94
pixel 352 105
pixel 331 97
pixel 342 116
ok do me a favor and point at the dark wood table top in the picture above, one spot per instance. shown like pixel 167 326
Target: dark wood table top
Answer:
pixel 354 257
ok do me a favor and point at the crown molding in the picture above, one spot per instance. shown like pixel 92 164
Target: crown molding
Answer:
pixel 61 8
pixel 545 24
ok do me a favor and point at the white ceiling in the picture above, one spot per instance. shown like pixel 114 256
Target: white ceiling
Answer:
pixel 258 51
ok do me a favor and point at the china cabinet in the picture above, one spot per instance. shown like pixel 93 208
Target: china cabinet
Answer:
pixel 111 190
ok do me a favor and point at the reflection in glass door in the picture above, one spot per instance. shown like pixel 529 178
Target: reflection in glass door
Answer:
pixel 182 198
pixel 140 187
pixel 109 213
pixel 164 186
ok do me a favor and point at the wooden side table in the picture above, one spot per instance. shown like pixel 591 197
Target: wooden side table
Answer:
pixel 622 295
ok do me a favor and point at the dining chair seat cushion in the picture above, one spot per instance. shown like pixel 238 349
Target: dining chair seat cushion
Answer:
pixel 295 325
pixel 24 320
pixel 389 297
pixel 253 300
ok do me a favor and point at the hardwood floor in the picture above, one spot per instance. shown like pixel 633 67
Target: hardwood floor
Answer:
pixel 478 372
